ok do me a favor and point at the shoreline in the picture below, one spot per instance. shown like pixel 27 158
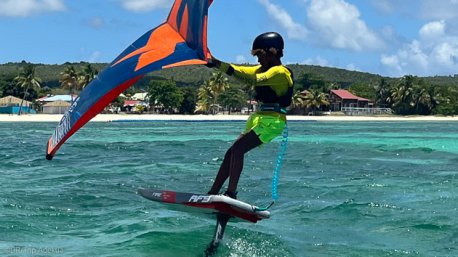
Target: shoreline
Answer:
pixel 218 117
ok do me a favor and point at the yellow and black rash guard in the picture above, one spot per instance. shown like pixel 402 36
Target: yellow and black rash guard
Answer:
pixel 274 86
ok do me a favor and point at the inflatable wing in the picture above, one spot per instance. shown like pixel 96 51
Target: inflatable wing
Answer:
pixel 181 40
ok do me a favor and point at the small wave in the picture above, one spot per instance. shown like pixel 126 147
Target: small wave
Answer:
pixel 347 205
pixel 430 226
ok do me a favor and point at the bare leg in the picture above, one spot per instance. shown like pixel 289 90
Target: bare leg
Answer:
pixel 233 162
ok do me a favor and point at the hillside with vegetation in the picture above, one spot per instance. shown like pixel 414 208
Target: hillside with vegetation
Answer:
pixel 50 74
pixel 198 88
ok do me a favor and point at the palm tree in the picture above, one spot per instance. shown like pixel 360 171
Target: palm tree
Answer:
pixel 315 100
pixel 426 98
pixel 436 97
pixel 218 84
pixel 400 98
pixel 401 95
pixel 27 79
pixel 382 92
pixel 249 89
pixel 205 98
pixel 209 92
pixel 69 79
pixel 86 76
pixel 298 100
pixel 421 100
pixel 233 98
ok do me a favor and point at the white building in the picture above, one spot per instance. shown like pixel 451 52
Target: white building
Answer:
pixel 56 107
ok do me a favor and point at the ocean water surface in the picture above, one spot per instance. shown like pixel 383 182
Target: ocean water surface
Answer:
pixel 346 189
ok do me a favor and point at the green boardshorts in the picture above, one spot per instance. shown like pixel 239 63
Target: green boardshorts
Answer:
pixel 267 125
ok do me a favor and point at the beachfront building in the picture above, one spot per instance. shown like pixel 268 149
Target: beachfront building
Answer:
pixel 56 107
pixel 140 97
pixel 54 98
pixel 56 104
pixel 341 98
pixel 135 106
pixel 11 105
pixel 344 101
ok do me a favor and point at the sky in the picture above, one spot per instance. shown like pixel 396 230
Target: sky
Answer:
pixel 387 37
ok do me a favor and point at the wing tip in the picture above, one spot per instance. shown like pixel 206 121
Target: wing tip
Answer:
pixel 49 154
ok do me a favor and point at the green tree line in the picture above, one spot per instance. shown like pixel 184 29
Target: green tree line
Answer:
pixel 199 89
pixel 409 95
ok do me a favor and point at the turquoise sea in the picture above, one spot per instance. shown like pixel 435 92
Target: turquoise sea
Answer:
pixel 346 189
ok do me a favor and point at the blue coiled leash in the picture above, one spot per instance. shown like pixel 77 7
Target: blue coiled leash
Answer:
pixel 276 173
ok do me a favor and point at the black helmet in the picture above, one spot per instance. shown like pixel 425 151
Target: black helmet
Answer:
pixel 268 40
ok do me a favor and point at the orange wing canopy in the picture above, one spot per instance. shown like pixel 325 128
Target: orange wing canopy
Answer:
pixel 181 40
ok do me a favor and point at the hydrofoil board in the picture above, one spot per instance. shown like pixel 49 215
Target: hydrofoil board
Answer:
pixel 206 203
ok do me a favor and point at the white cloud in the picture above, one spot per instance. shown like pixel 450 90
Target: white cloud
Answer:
pixel 338 24
pixel 434 53
pixel 433 30
pixel 435 50
pixel 352 67
pixel 294 30
pixel 393 62
pixel 317 61
pixel 96 22
pixel 145 5
pixel 446 54
pixel 23 8
pixel 320 61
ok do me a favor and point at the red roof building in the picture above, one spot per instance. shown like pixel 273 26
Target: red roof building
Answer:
pixel 342 98
pixel 133 103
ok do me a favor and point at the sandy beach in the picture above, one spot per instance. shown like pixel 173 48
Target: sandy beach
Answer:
pixel 219 117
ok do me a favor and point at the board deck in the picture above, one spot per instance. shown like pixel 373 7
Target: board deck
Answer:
pixel 206 203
